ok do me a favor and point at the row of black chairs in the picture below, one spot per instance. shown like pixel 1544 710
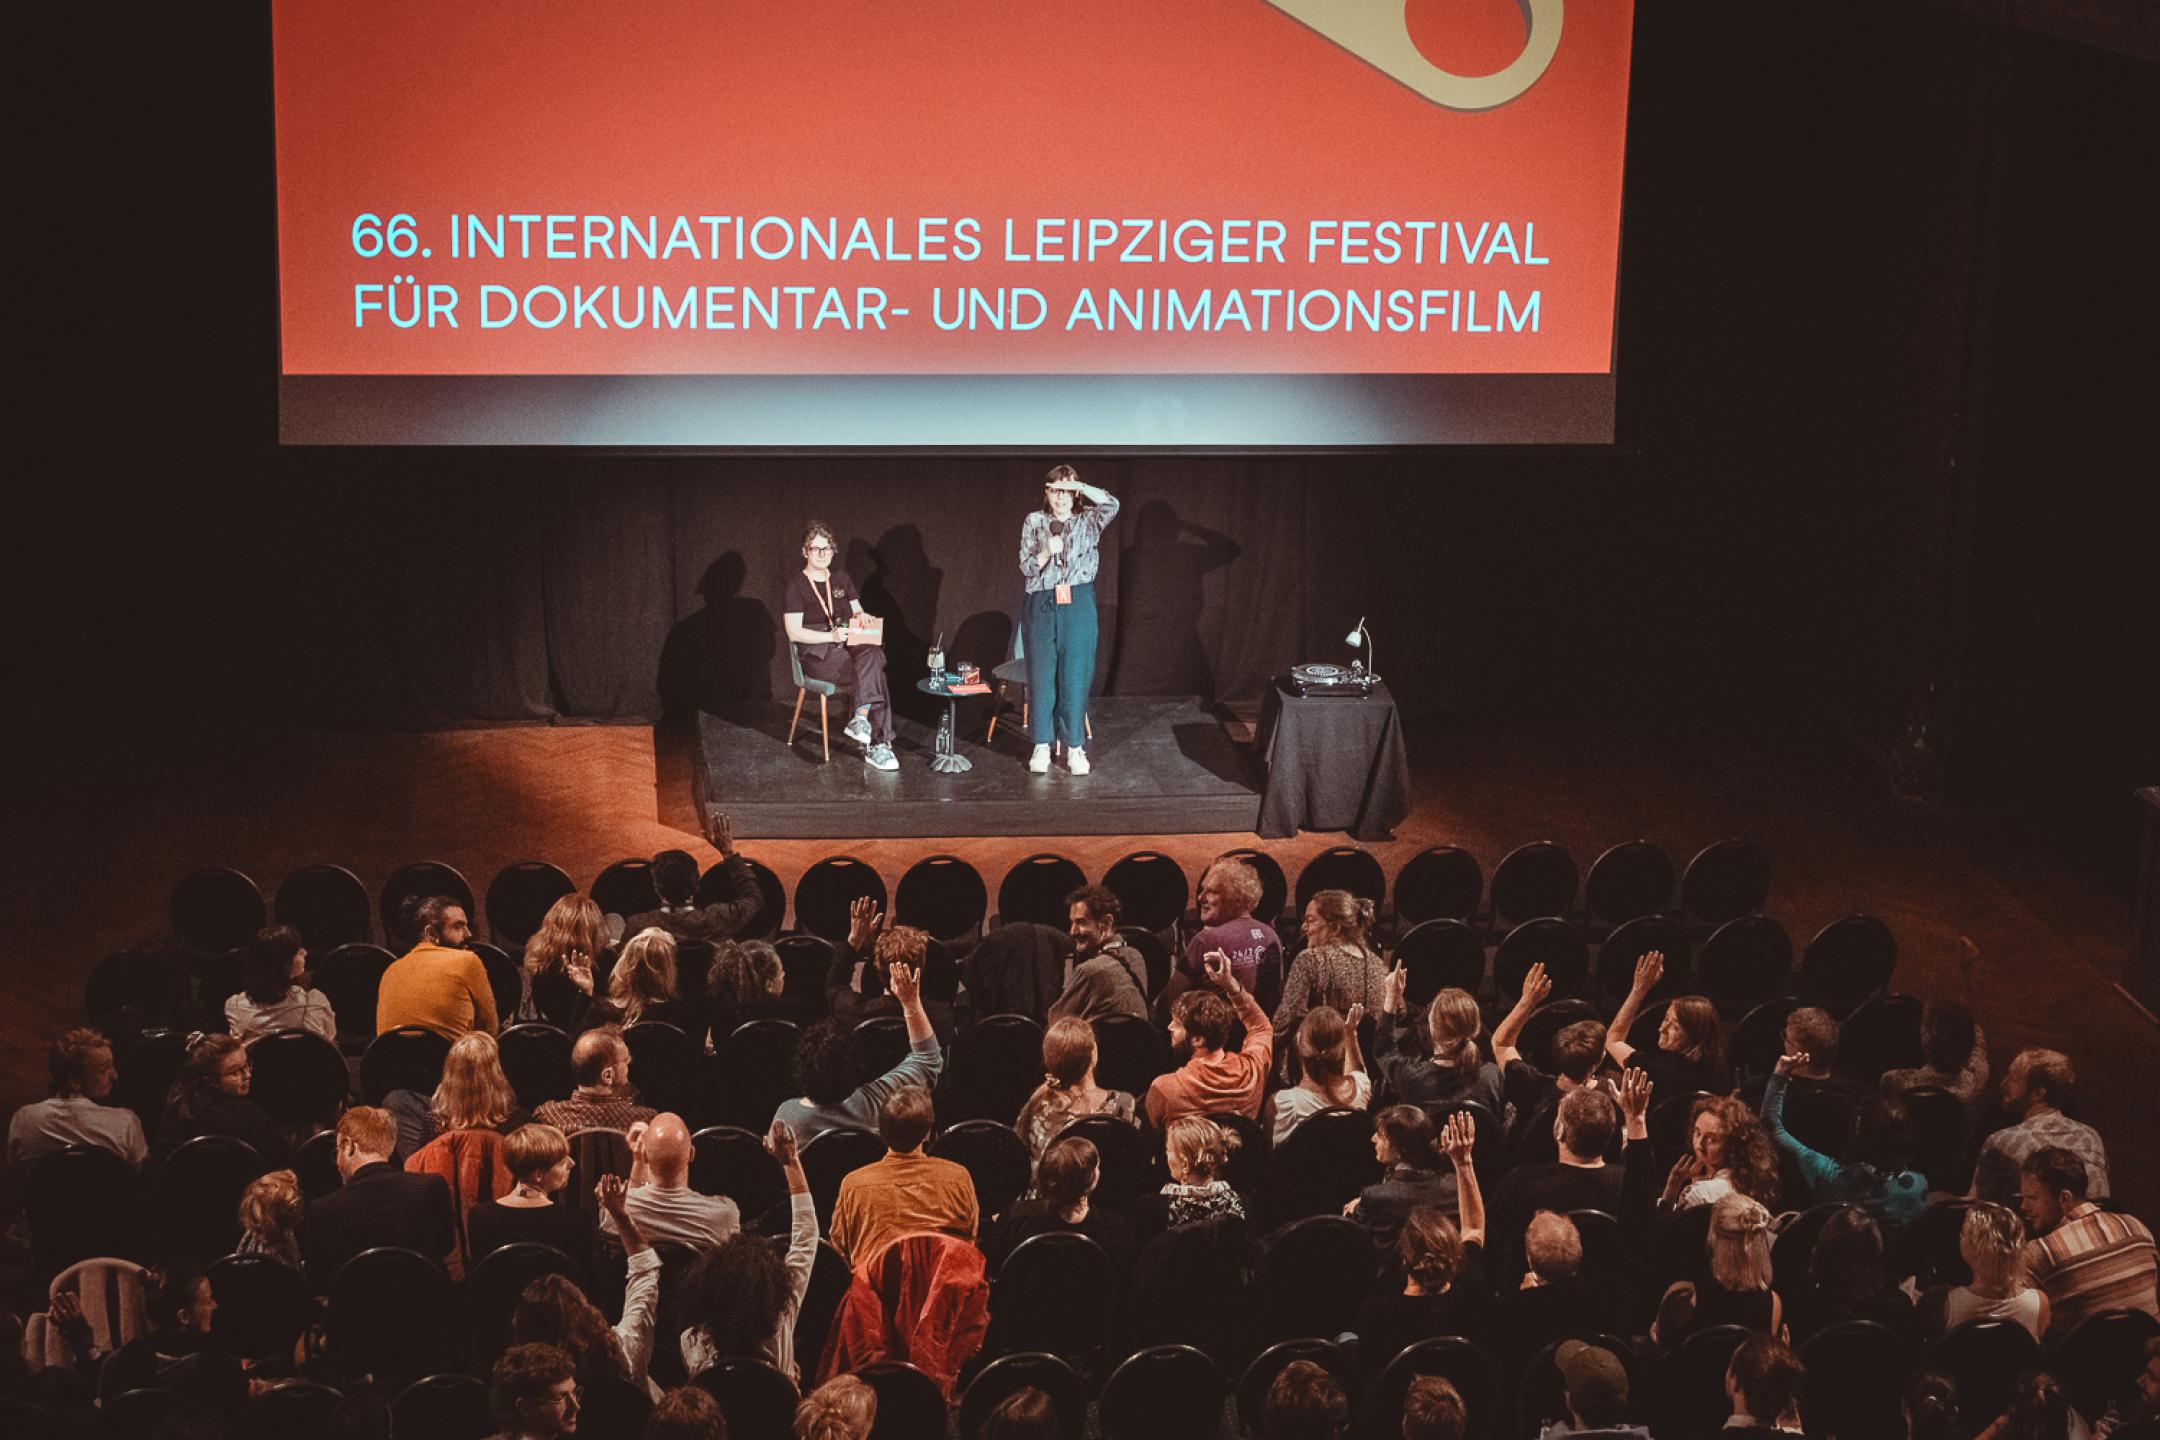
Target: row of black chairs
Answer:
pixel 216 908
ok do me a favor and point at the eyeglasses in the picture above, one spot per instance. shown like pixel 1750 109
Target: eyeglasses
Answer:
pixel 817 549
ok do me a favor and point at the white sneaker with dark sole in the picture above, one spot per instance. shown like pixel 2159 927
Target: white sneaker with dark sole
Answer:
pixel 858 730
pixel 1077 762
pixel 1039 762
pixel 880 757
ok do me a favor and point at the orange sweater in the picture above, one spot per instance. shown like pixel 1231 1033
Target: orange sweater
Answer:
pixel 437 988
pixel 1227 1080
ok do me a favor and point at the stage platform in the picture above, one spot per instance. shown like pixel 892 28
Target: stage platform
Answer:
pixel 1163 764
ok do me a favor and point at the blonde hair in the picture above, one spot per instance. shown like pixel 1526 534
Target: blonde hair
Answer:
pixel 843 1408
pixel 530 1151
pixel 1068 1051
pixel 474 1092
pixel 1992 1240
pixel 1199 1147
pixel 573 923
pixel 271 1206
pixel 1452 1023
pixel 645 974
pixel 1739 1244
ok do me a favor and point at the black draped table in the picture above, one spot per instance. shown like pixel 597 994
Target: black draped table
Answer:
pixel 1333 764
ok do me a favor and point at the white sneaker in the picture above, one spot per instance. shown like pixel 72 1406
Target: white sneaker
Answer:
pixel 880 757
pixel 1039 762
pixel 858 730
pixel 1076 761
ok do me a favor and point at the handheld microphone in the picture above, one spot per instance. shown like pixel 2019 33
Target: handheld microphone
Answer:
pixel 1057 527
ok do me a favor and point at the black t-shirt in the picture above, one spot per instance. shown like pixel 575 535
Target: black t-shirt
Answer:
pixel 809 600
pixel 1386 1323
pixel 490 1225
pixel 1553 1186
pixel 1675 1074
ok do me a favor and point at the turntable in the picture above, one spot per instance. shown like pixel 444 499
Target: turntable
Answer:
pixel 1310 681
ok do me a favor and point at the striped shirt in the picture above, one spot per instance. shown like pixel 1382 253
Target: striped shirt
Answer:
pixel 2094 1260
pixel 1081 559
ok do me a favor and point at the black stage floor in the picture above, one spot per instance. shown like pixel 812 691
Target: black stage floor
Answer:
pixel 1162 764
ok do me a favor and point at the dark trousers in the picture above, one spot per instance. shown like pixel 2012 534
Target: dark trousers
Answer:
pixel 1060 643
pixel 859 670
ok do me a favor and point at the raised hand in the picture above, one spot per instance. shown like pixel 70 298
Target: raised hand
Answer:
pixel 1391 994
pixel 863 921
pixel 723 834
pixel 1635 1088
pixel 1786 1064
pixel 1216 966
pixel 1535 987
pixel 780 1143
pixel 578 966
pixel 905 983
pixel 613 1193
pixel 1356 1014
pixel 1458 1138
pixel 1648 971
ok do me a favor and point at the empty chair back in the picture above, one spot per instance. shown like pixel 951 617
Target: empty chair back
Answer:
pixel 1754 1044
pixel 1129 1053
pixel 327 904
pixel 910 1406
pixel 1035 890
pixel 494 1284
pixel 536 1058
pixel 1745 961
pixel 314 1161
pixel 300 1078
pixel 1549 941
pixel 995 1158
pixel 1942 1128
pixel 1316 1273
pixel 293 1407
pixel 518 899
pixel 148 1066
pixel 350 977
pixel 264 1306
pixel 944 895
pixel 883 1043
pixel 1631 941
pixel 829 1281
pixel 407 1058
pixel 728 1160
pixel 1057 1292
pixel 1882 1034
pixel 1984 1359
pixel 664 1066
pixel 594 1152
pixel 1165 1392
pixel 416 882
pixel 613 1405
pixel 506 978
pixel 804 961
pixel 389 1316
pixel 1125 1161
pixel 1725 881
pixel 196 1197
pixel 1627 882
pixel 1151 888
pixel 1847 961
pixel 756 1398
pixel 1154 954
pixel 1439 954
pixel 1533 881
pixel 1274 885
pixel 135 1414
pixel 626 888
pixel 1342 867
pixel 216 909
pixel 1855 1381
pixel 754 1073
pixel 443 1407
pixel 996 1064
pixel 1322 1166
pixel 830 1158
pixel 1030 1370
pixel 1442 883
pixel 1690 1394
pixel 1462 1363
pixel 828 888
pixel 764 924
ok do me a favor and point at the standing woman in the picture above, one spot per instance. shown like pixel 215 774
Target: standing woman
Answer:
pixel 1060 553
pixel 819 605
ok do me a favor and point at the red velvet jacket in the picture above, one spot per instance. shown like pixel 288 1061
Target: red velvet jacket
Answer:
pixel 923 1299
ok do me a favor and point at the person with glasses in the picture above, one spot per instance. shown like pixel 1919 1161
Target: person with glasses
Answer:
pixel 210 1097
pixel 1060 555
pixel 820 602
pixel 534 1393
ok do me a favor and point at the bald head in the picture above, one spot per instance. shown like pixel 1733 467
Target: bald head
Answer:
pixel 667 1151
pixel 601 1061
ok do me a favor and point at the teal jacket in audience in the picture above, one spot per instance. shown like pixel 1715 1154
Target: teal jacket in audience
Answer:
pixel 1893 1200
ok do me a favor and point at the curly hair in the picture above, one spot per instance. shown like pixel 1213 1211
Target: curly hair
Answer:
pixel 474 1092
pixel 686 1413
pixel 1992 1242
pixel 1431 1249
pixel 1750 1160
pixel 206 1055
pixel 572 923
pixel 553 1311
pixel 735 1294
pixel 828 1057
pixel 271 1207
pixel 1206 1016
pixel 525 1372
pixel 266 965
pixel 1239 882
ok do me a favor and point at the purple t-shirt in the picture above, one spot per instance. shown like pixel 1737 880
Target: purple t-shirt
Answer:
pixel 1249 944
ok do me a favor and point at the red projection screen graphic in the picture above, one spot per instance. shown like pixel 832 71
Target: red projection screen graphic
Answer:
pixel 960 223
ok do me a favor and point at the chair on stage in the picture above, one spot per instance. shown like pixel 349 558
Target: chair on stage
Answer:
pixel 1014 674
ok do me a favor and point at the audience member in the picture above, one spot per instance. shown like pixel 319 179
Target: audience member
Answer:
pixel 2137 1412
pixel 1229 892
pixel 1812 1035
pixel 1930 1407
pixel 1951 1042
pixel 843 1408
pixel 561 959
pixel 1555 1299
pixel 1068 1091
pixel 439 984
pixel 828 1058
pixel 271 1211
pixel 473 1094
pixel 1338 966
pixel 741 1300
pixel 2036 1087
pixel 1440 1066
pixel 553 1311
pixel 1581 1179
pixel 1763 1382
pixel 1413 1173
pixel 179 1353
pixel 2039 1410
pixel 746 982
pixel 1594 1386
pixel 904 1192
pixel 2086 1259
pixel 1443 1271
pixel 538 1159
pixel 1846 1280
pixel 1737 1290
pixel 1433 1410
pixel 1065 1183
pixel 1332 1072
pixel 271 996
pixel 1196 1151
pixel 642 987
pixel 1730 1153
pixel 379 1204
pixel 1874 1172
pixel 1215 1078
pixel 1992 1241
pixel 660 1198
pixel 534 1394
pixel 1305 1403
pixel 1108 977
pixel 698 929
pixel 604 1098
pixel 1578 1050
pixel 1026 1414
pixel 858 983
pixel 210 1097
pixel 82 1075
pixel 686 1413
pixel 1690 1049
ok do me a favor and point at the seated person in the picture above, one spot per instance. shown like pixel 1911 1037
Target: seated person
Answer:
pixel 179 1354
pixel 210 1097
pixel 1992 1241
pixel 533 1393
pixel 1581 1179
pixel 1215 1078
pixel 439 984
pixel 82 1073
pixel 746 982
pixel 820 602
pixel 1578 1051
pixel 552 1310
pixel 1737 1291
pixel 1951 1042
pixel 1554 1299
pixel 642 988
pixel 1433 1409
pixel 1332 1072
pixel 740 1302
pixel 1442 1066
pixel 1729 1153
pixel 2035 1088
pixel 1229 892
pixel 538 1159
pixel 1065 1183
pixel 1594 1385
pixel 1414 1173
pixel 1108 976
pixel 561 958
pixel 473 1094
pixel 1763 1384
pixel 1068 1091
pixel 1443 1267
pixel 1846 1280
pixel 1690 1050
pixel 1196 1151
pixel 904 1192
pixel 700 930
pixel 843 1408
pixel 660 1198
pixel 2086 1259
pixel 271 1211
pixel 378 1204
pixel 1338 965
pixel 828 1057
pixel 1304 1402
pixel 1874 1171
pixel 272 996
pixel 858 983
pixel 604 1099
